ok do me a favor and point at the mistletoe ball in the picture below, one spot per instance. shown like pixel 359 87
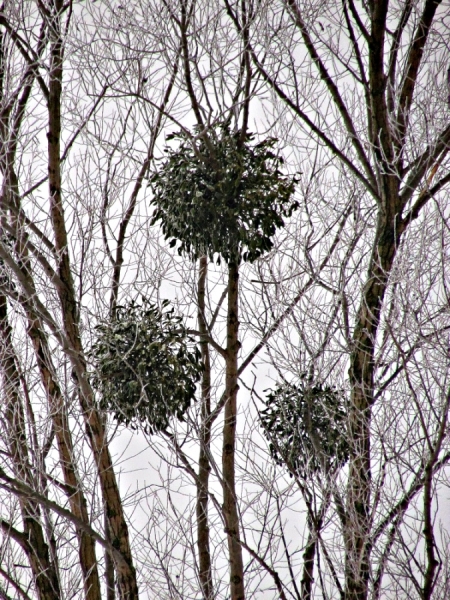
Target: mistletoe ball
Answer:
pixel 146 366
pixel 223 195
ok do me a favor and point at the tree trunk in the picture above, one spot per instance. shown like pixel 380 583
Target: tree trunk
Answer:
pixel 361 375
pixel 204 467
pixel 77 501
pixel 119 531
pixel 109 565
pixel 309 556
pixel 230 510
pixel 36 548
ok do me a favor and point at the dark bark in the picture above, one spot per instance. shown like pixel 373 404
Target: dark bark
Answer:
pixel 309 555
pixel 431 550
pixel 127 583
pixel 432 563
pixel 77 500
pixel 389 229
pixel 43 567
pixel 204 466
pixel 230 509
pixel 361 375
pixel 36 548
pixel 57 410
pixel 314 523
pixel 109 567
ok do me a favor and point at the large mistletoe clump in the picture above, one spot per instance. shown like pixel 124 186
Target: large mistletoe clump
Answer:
pixel 146 366
pixel 306 427
pixel 224 196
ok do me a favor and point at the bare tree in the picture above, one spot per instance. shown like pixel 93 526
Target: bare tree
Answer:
pixel 38 281
pixel 353 296
pixel 367 84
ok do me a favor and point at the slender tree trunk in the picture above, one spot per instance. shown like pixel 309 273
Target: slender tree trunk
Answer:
pixel 40 556
pixel 204 467
pixel 96 433
pixel 432 563
pixel 309 555
pixel 230 509
pixel 109 566
pixel 314 524
pixel 431 549
pixel 36 548
pixel 57 407
pixel 77 501
pixel 361 374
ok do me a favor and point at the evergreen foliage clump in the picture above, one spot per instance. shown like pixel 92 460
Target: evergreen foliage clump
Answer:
pixel 224 197
pixel 146 366
pixel 306 427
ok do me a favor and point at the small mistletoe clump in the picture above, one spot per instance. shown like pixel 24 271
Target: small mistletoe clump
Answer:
pixel 306 428
pixel 146 366
pixel 226 197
